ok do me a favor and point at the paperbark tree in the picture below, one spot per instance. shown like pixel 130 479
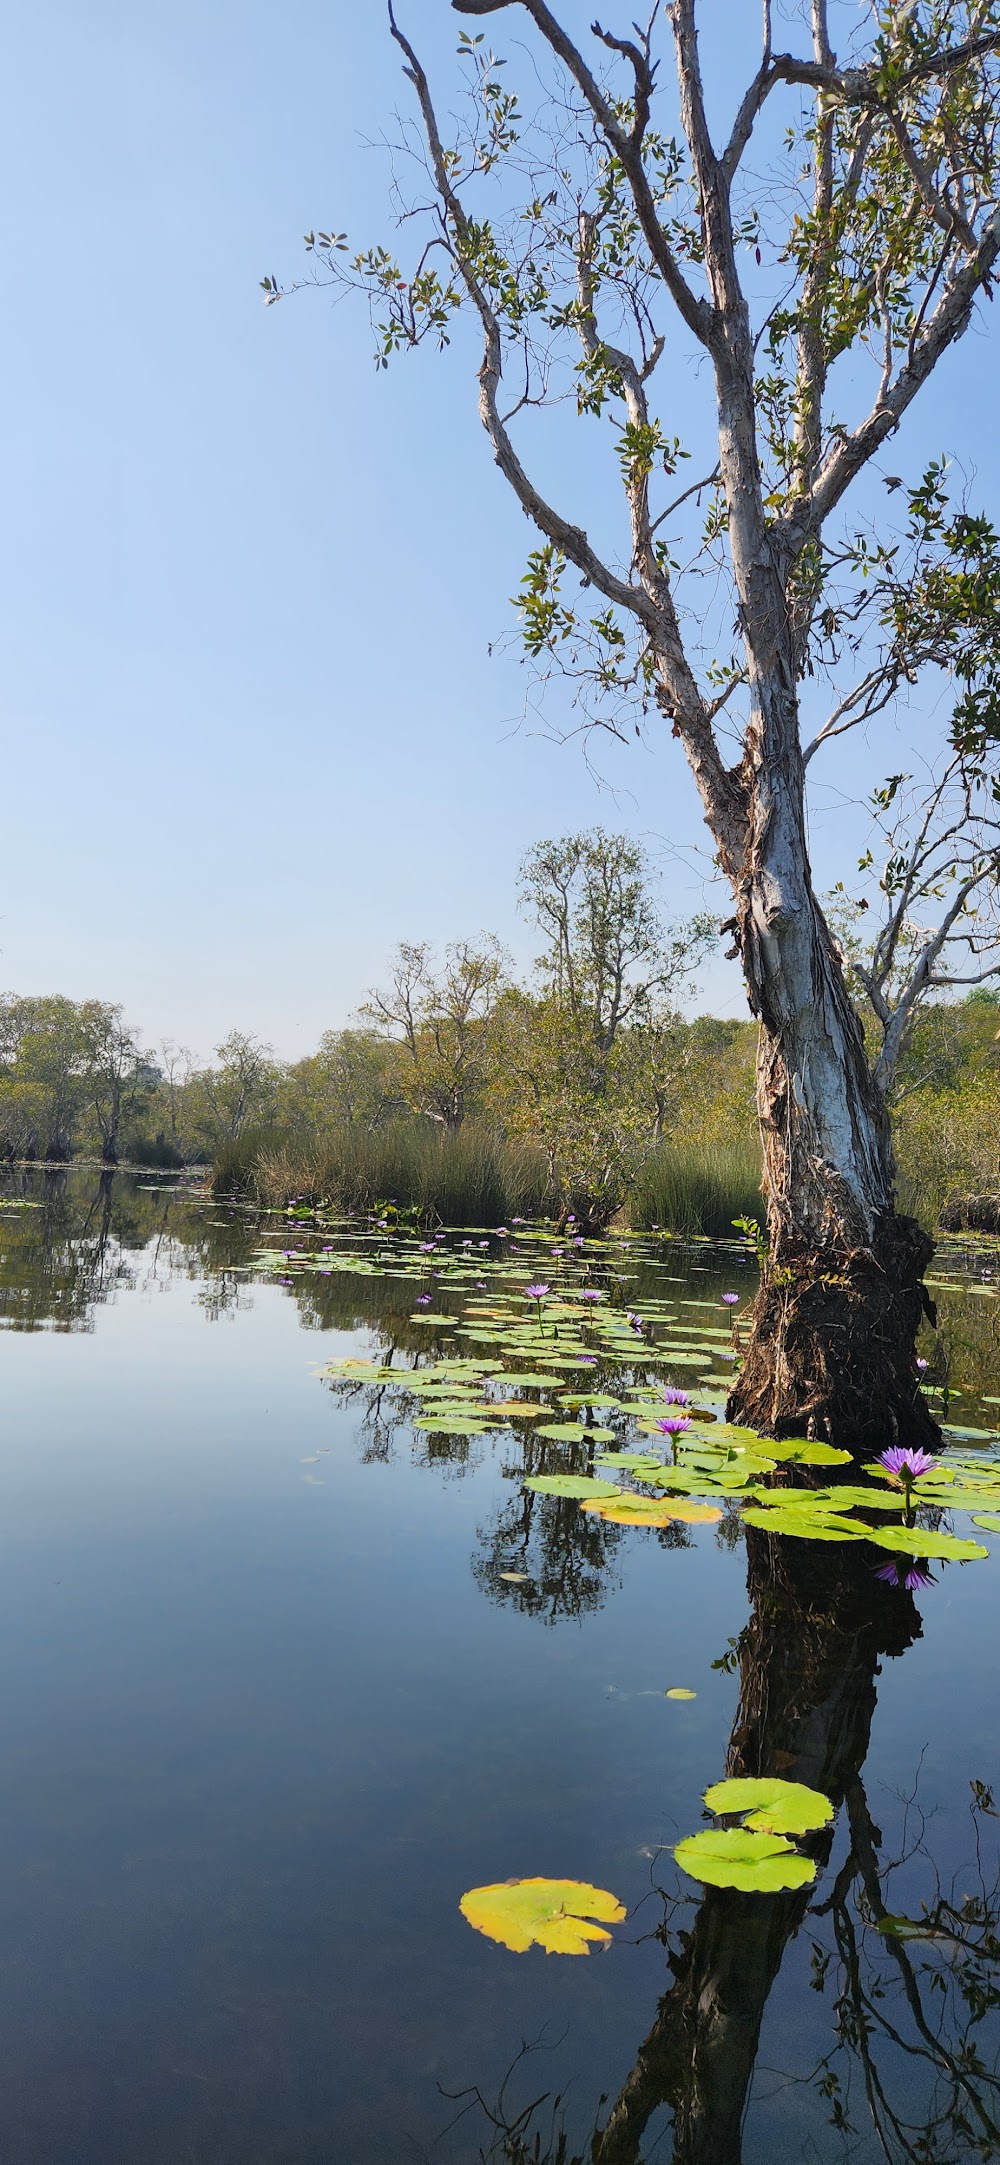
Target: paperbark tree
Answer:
pixel 591 244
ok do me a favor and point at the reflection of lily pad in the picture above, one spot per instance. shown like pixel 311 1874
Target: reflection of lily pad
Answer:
pixel 773 1806
pixel 739 1857
pixel 552 1913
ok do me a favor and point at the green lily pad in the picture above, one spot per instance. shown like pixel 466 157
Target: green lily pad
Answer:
pixel 631 1462
pixel 799 1451
pixel 800 1526
pixel 442 1424
pixel 574 1432
pixel 917 1541
pixel 989 1521
pixel 773 1806
pixel 738 1857
pixel 577 1485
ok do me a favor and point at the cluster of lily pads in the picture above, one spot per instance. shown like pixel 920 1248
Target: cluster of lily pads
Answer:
pixel 545 1333
pixel 609 1377
pixel 757 1856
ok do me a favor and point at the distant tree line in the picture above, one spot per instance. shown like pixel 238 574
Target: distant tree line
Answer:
pixel 592 1061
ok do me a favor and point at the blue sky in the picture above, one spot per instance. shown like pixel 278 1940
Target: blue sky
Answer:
pixel 253 732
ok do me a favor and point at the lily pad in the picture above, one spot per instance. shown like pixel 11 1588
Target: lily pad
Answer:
pixel 800 1451
pixel 773 1806
pixel 551 1913
pixel 680 1691
pixel 574 1432
pixel 917 1541
pixel 800 1525
pixel 988 1520
pixel 630 1510
pixel 740 1857
pixel 572 1484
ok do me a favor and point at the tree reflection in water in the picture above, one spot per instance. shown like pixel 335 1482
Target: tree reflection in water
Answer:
pixel 908 2075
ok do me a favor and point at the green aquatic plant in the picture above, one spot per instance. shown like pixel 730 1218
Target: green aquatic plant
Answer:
pixel 737 1857
pixel 756 1858
pixel 771 1805
pixel 552 1913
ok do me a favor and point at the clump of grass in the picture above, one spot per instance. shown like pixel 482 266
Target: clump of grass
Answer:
pixel 472 1177
pixel 236 1162
pixel 697 1188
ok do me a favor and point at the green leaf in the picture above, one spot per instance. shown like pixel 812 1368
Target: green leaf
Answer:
pixel 574 1432
pixel 572 1484
pixel 773 1806
pixel 737 1857
pixel 801 1526
pixel 916 1541
pixel 632 1462
pixel 988 1520
pixel 799 1451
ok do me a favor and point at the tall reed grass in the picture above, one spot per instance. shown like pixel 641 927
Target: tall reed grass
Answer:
pixel 477 1177
pixel 473 1177
pixel 697 1188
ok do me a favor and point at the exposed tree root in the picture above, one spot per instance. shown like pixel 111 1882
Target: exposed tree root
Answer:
pixel 832 1346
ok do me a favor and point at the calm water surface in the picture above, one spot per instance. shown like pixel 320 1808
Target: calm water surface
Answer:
pixel 269 1709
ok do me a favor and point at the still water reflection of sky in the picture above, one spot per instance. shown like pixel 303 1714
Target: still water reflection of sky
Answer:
pixel 263 1723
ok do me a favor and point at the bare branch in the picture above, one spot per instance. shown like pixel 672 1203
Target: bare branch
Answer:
pixel 857 706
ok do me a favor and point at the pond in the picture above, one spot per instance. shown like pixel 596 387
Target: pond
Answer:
pixel 293 1660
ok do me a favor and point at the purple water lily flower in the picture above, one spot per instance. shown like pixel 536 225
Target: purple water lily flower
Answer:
pixel 674 1425
pixel 590 1293
pixel 423 1300
pixel 536 1292
pixel 676 1398
pixel 730 1300
pixel 921 1364
pixel 901 1572
pixel 501 1232
pixel 906 1465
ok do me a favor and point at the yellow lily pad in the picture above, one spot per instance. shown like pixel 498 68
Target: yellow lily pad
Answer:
pixel 552 1913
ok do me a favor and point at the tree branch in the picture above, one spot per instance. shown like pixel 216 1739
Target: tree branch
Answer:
pixel 949 320
pixel 627 148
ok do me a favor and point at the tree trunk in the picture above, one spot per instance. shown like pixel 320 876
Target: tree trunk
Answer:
pixel 833 1329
